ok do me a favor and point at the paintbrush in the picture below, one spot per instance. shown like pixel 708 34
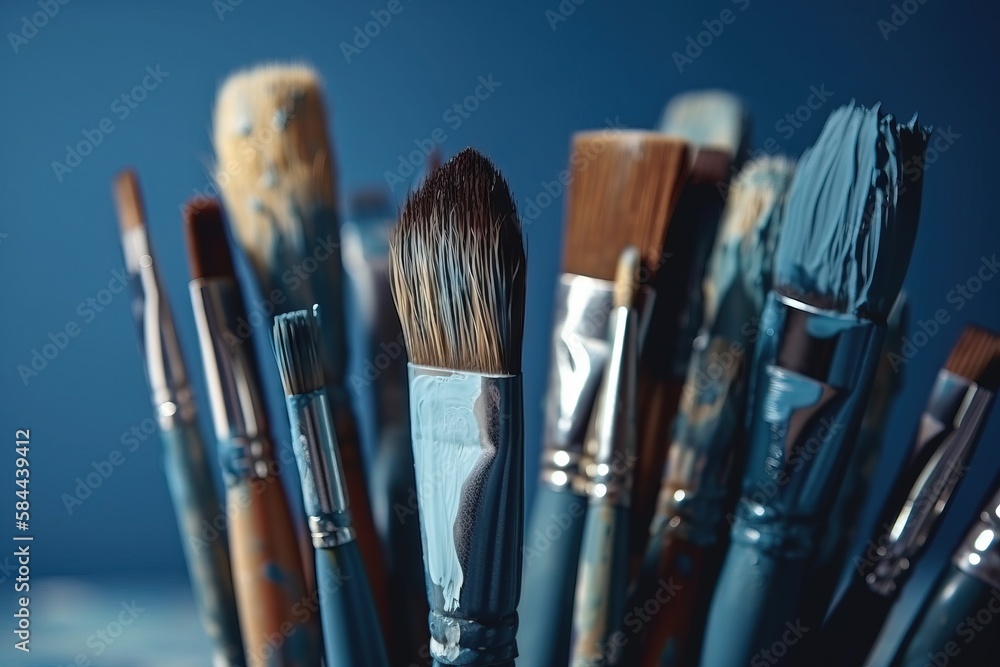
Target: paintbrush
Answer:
pixel 946 439
pixel 950 629
pixel 607 464
pixel 377 380
pixel 351 633
pixel 715 123
pixel 189 477
pixel 458 278
pixel 277 175
pixel 700 480
pixel 279 628
pixel 839 265
pixel 623 188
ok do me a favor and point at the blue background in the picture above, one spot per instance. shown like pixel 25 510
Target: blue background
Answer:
pixel 606 60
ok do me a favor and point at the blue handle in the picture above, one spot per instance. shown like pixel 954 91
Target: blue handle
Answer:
pixel 551 554
pixel 201 521
pixel 351 633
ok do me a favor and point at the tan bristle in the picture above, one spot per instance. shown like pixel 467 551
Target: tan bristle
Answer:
pixel 626 278
pixel 624 188
pixel 128 201
pixel 274 166
pixel 976 356
pixel 457 270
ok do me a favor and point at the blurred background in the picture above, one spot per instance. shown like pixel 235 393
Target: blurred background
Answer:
pixel 554 68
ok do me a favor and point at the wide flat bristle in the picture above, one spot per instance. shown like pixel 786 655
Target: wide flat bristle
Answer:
pixel 709 119
pixel 457 270
pixel 296 340
pixel 128 201
pixel 626 278
pixel 624 187
pixel 274 166
pixel 852 216
pixel 976 356
pixel 208 248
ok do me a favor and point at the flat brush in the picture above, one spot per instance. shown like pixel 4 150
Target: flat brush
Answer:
pixel 458 279
pixel 839 265
pixel 715 123
pixel 624 188
pixel 700 480
pixel 351 633
pixel 267 567
pixel 947 436
pixel 189 477
pixel 949 629
pixel 607 463
pixel 277 176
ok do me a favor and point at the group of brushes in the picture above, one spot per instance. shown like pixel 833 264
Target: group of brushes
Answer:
pixel 720 376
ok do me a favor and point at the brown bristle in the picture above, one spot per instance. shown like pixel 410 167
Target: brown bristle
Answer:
pixel 457 270
pixel 976 356
pixel 128 201
pixel 208 248
pixel 624 188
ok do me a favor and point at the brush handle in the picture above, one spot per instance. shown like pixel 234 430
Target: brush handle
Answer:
pixel 754 614
pixel 277 615
pixel 950 629
pixel 600 586
pixel 351 634
pixel 196 505
pixel 551 553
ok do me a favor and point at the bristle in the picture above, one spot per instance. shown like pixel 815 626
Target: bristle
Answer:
pixel 709 119
pixel 457 270
pixel 296 340
pixel 208 248
pixel 128 201
pixel 626 278
pixel 852 217
pixel 976 356
pixel 624 186
pixel 274 166
pixel 744 247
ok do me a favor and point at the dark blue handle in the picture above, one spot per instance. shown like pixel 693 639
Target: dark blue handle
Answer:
pixel 351 633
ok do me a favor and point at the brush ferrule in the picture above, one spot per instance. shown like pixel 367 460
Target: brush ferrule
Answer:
pixel 580 351
pixel 467 435
pixel 949 430
pixel 158 342
pixel 813 372
pixel 979 554
pixel 238 410
pixel 609 455
pixel 324 491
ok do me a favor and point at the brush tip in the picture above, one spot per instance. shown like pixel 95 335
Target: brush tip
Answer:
pixel 976 356
pixel 128 200
pixel 208 248
pixel 296 339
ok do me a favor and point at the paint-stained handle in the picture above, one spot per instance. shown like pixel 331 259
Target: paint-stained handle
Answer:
pixel 951 629
pixel 551 553
pixel 351 634
pixel 278 617
pixel 754 611
pixel 201 521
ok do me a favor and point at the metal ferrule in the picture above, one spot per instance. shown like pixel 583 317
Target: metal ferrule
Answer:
pixel 468 449
pixel 949 430
pixel 238 411
pixel 580 351
pixel 979 554
pixel 609 455
pixel 324 492
pixel 813 371
pixel 158 342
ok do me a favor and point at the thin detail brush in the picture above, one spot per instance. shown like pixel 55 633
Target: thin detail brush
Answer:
pixel 458 279
pixel 189 477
